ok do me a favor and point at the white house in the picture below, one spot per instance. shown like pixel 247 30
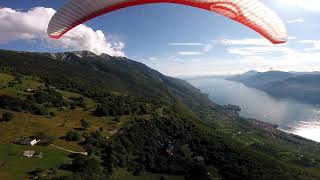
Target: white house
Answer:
pixel 34 142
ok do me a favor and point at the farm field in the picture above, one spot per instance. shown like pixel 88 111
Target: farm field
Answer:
pixel 26 124
pixel 14 166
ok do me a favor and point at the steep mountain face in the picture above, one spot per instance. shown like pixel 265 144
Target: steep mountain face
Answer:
pixel 302 86
pixel 243 76
pixel 171 128
pixel 305 73
pixel 305 88
pixel 100 72
pixel 260 79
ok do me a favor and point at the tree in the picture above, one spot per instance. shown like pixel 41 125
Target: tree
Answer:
pixel 101 111
pixel 72 136
pixel 7 116
pixel 85 124
pixel 116 119
pixel 45 138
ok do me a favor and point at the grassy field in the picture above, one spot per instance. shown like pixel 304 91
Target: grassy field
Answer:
pixel 16 167
pixel 5 79
pixel 90 103
pixel 27 82
pixel 25 124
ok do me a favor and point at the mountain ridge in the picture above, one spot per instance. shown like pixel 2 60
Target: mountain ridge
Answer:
pixel 301 86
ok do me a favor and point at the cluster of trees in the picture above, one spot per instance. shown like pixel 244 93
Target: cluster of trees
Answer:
pixel 49 97
pixel 157 145
pixel 123 105
pixel 18 104
pixel 83 168
pixel 77 101
pixel 72 136
pixel 143 146
pixel 85 124
pixel 45 138
pixel 38 102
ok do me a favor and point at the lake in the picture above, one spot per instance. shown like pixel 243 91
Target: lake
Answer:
pixel 291 116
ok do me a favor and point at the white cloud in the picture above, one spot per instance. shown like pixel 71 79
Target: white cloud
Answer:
pixel 187 44
pixel 188 53
pixel 247 54
pixel 292 38
pixel 294 61
pixel 153 58
pixel 32 26
pixel 244 42
pixel 314 43
pixel 205 46
pixel 259 50
pixel 309 5
pixel 299 20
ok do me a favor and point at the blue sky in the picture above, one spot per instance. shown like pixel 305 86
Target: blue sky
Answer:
pixel 181 41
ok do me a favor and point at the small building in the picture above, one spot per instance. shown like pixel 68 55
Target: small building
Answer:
pixel 29 90
pixel 199 158
pixel 28 154
pixel 27 141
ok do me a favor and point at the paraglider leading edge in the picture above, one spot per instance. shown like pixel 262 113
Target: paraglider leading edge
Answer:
pixel 252 13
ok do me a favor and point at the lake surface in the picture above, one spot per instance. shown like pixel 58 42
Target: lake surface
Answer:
pixel 292 116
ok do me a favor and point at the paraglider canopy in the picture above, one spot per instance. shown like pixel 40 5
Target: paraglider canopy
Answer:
pixel 252 13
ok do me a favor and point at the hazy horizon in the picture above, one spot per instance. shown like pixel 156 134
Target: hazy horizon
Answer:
pixel 182 41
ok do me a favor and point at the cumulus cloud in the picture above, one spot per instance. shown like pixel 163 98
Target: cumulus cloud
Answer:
pixel 32 25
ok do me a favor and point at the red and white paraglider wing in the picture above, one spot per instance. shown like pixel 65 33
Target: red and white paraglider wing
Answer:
pixel 252 13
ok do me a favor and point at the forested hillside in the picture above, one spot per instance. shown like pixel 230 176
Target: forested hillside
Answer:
pixel 133 123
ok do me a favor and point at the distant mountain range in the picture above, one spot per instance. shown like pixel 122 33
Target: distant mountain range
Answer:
pixel 302 86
